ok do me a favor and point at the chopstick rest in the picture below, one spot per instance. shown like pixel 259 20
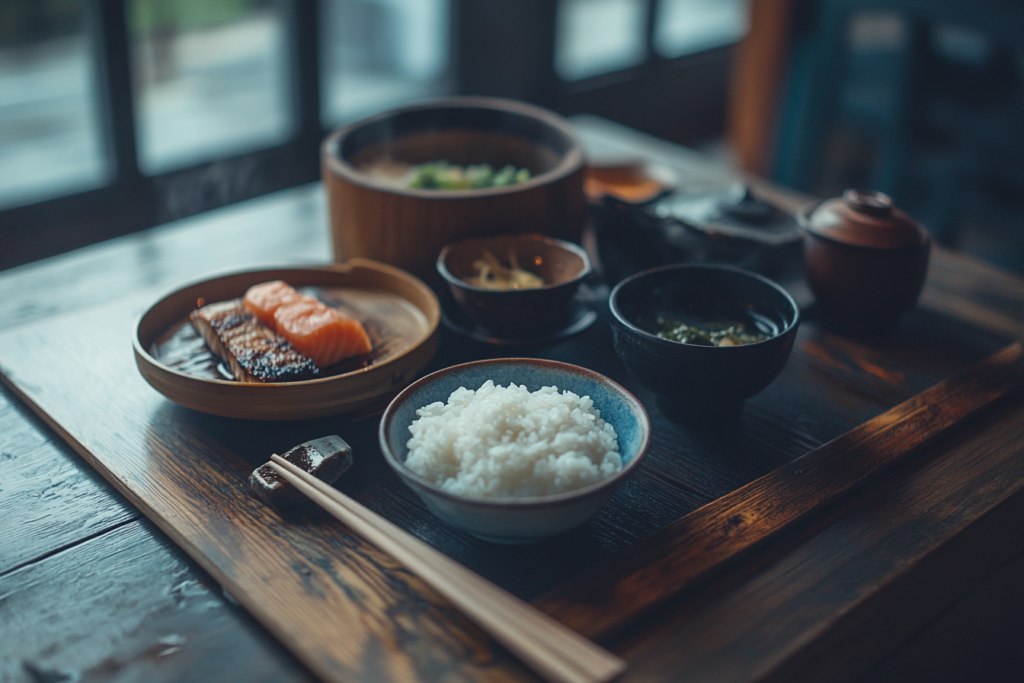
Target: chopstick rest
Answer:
pixel 552 650
pixel 326 459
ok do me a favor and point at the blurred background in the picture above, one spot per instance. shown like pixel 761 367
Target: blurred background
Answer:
pixel 117 115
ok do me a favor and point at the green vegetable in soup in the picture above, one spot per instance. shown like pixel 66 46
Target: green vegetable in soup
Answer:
pixel 717 333
pixel 440 175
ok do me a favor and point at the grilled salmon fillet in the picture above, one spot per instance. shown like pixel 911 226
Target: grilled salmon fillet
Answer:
pixel 264 299
pixel 321 332
pixel 254 352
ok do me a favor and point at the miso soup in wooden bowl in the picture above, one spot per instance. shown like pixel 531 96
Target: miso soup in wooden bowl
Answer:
pixel 375 215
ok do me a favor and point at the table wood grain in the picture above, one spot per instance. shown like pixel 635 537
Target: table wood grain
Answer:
pixel 613 594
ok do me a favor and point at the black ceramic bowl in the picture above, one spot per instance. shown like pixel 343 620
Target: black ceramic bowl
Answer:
pixel 517 313
pixel 702 382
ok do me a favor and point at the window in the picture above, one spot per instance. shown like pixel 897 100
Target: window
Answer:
pixel 683 27
pixel 117 115
pixel 50 134
pixel 599 36
pixel 379 54
pixel 210 80
pixel 596 37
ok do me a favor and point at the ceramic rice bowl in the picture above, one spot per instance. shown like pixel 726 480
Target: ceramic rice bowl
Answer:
pixel 517 520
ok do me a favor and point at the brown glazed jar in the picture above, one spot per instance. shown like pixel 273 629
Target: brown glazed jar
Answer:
pixel 866 260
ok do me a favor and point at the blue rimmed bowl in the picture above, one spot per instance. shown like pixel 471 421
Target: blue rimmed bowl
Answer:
pixel 517 520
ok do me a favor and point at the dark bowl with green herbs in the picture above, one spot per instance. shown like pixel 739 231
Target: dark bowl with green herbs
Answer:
pixel 703 338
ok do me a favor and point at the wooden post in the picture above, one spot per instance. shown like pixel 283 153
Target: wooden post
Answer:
pixel 757 77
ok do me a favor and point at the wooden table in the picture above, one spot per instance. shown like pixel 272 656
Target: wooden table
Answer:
pixel 914 576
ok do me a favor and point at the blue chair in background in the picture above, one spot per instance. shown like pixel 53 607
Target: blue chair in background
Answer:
pixel 896 103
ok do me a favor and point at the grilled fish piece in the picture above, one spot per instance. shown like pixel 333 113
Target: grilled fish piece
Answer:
pixel 254 352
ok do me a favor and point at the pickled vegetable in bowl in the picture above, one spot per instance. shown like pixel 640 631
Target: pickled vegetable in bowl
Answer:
pixel 508 311
pixel 493 274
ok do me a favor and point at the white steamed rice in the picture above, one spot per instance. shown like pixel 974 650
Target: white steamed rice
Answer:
pixel 506 442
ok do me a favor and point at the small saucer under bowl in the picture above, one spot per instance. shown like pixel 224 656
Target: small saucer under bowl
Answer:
pixel 582 315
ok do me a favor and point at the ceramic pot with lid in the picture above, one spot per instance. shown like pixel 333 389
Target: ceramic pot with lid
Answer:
pixel 866 260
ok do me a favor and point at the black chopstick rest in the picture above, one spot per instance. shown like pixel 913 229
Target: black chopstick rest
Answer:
pixel 326 459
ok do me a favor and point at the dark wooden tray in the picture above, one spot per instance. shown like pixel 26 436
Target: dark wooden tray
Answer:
pixel 703 499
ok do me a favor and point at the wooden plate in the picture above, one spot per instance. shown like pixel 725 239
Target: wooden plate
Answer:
pixel 400 313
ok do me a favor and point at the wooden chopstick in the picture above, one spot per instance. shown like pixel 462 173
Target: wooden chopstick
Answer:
pixel 549 648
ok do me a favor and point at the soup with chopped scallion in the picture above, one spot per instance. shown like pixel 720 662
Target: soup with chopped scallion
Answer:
pixel 443 176
pixel 724 332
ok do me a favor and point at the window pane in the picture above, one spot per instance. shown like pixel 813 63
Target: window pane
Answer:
pixel 378 54
pixel 50 139
pixel 598 36
pixel 683 27
pixel 211 79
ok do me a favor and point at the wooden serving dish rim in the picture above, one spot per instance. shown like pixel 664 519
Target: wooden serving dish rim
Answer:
pixel 433 319
pixel 572 160
pixel 307 398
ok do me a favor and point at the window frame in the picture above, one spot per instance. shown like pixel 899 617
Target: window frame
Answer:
pixel 681 99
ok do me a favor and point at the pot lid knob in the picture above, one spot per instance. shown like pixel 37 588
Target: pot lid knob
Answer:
pixel 741 204
pixel 869 202
pixel 864 218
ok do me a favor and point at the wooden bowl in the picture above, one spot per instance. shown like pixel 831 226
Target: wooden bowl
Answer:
pixel 522 313
pixel 408 227
pixel 400 312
